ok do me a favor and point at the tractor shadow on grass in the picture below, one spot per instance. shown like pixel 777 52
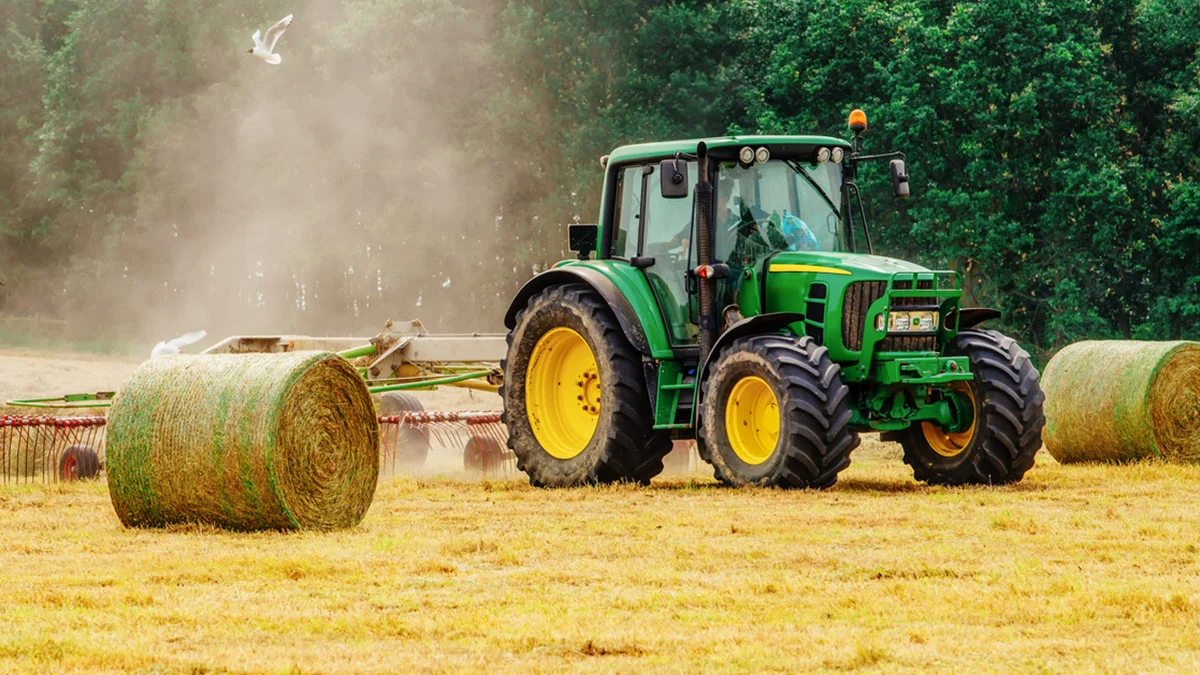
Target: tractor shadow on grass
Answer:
pixel 679 484
pixel 885 486
pixel 858 485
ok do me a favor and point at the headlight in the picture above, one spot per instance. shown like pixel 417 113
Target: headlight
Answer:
pixel 746 155
pixel 912 322
pixel 762 155
pixel 836 155
pixel 823 155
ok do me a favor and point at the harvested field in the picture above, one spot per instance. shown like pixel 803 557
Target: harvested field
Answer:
pixel 1075 569
pixel 1078 568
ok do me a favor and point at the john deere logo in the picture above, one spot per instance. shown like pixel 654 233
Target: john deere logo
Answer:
pixel 916 321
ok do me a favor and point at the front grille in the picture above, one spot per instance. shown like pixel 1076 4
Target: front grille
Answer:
pixel 860 295
pixel 909 302
pixel 910 343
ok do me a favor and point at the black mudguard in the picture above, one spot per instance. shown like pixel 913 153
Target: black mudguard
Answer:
pixel 969 317
pixel 626 316
pixel 755 325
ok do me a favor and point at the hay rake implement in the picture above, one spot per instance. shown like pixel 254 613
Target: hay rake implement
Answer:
pixel 46 449
pixel 395 360
pixel 404 357
pixel 51 449
pixel 480 434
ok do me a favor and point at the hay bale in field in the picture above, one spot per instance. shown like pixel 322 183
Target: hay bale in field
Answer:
pixel 1117 401
pixel 243 441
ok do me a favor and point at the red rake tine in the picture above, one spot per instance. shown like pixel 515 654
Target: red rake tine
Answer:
pixel 61 430
pixel 31 434
pixel 5 428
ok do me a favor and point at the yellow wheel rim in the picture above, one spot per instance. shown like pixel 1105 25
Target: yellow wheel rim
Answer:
pixel 951 444
pixel 752 420
pixel 562 393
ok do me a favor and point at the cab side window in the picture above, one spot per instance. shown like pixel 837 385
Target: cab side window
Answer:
pixel 629 213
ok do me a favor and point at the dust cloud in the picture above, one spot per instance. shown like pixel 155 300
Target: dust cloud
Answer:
pixel 361 180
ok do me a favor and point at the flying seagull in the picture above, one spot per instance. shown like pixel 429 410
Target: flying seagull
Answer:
pixel 173 346
pixel 265 49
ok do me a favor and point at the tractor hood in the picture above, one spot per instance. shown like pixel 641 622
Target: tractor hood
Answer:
pixel 859 265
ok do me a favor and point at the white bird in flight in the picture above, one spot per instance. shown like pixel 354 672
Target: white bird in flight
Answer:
pixel 173 346
pixel 265 49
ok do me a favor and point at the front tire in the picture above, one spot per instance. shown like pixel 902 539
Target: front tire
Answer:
pixel 775 414
pixel 1006 433
pixel 575 399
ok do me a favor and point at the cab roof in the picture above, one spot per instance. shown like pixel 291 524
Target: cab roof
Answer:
pixel 781 145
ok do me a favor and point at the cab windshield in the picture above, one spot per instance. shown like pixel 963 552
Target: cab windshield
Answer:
pixel 781 205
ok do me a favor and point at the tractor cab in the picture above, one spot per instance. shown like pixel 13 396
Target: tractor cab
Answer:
pixel 771 195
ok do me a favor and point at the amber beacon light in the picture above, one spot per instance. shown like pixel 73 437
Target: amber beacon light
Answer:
pixel 858 121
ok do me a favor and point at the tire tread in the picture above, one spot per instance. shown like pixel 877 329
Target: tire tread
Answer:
pixel 1012 406
pixel 632 450
pixel 815 414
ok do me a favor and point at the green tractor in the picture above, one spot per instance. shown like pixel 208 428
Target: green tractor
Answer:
pixel 729 301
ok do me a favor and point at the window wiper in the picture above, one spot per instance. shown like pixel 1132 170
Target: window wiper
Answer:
pixel 804 174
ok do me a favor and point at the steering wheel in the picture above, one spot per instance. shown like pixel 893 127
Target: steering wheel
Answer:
pixel 752 229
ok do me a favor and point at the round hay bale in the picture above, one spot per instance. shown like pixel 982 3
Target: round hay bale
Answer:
pixel 243 441
pixel 1119 401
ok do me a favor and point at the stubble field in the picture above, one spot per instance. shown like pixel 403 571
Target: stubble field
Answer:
pixel 1077 569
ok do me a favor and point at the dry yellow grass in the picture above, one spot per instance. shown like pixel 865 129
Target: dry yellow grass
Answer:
pixel 1077 569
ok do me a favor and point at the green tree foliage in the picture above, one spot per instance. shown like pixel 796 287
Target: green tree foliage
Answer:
pixel 22 78
pixel 1053 147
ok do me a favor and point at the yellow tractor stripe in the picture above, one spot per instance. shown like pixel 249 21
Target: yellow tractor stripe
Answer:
pixel 807 268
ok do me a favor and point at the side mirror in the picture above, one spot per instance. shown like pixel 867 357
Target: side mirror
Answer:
pixel 674 178
pixel 900 178
pixel 582 239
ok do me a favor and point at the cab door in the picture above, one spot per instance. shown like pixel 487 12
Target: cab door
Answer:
pixel 668 236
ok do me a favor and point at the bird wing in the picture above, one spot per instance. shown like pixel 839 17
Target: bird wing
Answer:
pixel 275 32
pixel 185 340
pixel 161 349
pixel 257 37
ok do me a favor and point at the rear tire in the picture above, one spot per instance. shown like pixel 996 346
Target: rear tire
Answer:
pixel 409 446
pixel 575 398
pixel 1007 431
pixel 775 414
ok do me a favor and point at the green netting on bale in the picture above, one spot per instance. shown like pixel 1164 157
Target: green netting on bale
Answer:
pixel 243 441
pixel 1119 401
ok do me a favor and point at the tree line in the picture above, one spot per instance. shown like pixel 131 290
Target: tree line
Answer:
pixel 422 157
